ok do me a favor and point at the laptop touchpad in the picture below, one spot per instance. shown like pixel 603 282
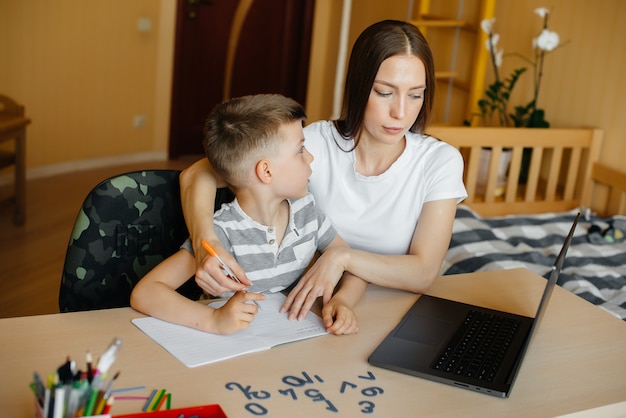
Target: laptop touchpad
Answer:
pixel 424 329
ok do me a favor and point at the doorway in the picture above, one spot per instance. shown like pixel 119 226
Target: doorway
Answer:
pixel 230 48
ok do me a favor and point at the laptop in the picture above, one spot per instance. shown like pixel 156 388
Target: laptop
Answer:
pixel 463 345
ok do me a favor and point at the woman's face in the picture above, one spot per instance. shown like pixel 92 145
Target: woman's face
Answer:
pixel 396 99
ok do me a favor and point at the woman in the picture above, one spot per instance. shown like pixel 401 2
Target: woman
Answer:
pixel 389 190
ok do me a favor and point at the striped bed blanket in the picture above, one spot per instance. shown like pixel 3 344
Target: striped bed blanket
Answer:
pixel 595 267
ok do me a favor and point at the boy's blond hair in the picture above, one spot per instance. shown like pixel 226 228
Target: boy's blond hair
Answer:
pixel 241 130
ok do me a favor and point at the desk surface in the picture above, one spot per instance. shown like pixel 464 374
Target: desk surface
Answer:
pixel 576 361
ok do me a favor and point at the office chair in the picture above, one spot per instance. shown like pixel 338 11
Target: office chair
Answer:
pixel 127 225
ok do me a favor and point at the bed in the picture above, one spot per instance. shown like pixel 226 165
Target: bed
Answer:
pixel 507 223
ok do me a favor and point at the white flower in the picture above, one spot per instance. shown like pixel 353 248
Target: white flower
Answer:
pixel 547 40
pixel 492 41
pixel 487 25
pixel 542 12
pixel 498 57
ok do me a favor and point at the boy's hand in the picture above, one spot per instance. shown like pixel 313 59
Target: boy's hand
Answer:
pixel 210 276
pixel 339 319
pixel 237 313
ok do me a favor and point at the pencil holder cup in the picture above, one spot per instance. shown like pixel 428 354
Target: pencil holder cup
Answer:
pixel 203 411
pixel 39 412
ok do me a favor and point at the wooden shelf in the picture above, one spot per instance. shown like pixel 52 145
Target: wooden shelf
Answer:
pixel 453 31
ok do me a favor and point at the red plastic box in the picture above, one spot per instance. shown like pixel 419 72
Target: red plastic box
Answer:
pixel 204 411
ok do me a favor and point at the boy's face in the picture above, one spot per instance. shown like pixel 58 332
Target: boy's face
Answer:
pixel 292 165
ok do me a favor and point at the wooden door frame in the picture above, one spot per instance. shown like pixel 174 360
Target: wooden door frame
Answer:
pixel 303 63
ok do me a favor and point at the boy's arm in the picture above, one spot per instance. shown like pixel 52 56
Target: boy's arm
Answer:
pixel 156 295
pixel 198 185
pixel 338 314
pixel 351 289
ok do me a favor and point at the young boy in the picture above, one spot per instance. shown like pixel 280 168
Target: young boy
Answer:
pixel 273 227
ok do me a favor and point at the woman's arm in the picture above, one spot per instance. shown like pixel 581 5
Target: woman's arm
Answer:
pixel 417 270
pixel 414 271
pixel 319 280
pixel 198 185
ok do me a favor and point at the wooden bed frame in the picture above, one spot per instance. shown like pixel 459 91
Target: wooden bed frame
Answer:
pixel 564 171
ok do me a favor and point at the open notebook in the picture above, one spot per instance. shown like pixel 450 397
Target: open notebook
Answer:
pixel 269 329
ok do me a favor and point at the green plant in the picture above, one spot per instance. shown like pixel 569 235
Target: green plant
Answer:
pixel 494 106
pixel 496 99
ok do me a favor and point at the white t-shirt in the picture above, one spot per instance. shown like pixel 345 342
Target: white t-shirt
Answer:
pixel 379 213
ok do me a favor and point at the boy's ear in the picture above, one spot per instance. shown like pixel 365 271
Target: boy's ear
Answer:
pixel 263 171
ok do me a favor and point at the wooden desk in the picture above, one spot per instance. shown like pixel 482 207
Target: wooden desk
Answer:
pixel 576 361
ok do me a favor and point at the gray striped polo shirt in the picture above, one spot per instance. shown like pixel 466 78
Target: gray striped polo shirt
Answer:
pixel 271 267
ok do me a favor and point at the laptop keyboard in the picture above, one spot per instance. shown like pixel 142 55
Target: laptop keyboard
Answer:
pixel 479 346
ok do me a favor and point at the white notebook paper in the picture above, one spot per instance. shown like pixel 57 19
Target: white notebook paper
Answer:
pixel 269 328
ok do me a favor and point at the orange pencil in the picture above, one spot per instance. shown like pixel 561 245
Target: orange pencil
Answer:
pixel 160 403
pixel 157 400
pixel 226 269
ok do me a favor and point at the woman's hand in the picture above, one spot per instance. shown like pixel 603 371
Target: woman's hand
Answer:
pixel 198 185
pixel 211 277
pixel 320 280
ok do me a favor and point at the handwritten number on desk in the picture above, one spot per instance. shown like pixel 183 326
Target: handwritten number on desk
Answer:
pixel 315 386
pixel 316 396
pixel 289 392
pixel 368 407
pixel 373 391
pixel 256 409
pixel 344 384
pixel 297 381
pixel 247 391
pixel 370 376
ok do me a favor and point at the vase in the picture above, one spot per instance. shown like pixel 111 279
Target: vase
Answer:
pixel 503 169
pixel 525 165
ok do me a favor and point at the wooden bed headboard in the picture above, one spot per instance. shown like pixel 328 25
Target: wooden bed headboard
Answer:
pixel 563 172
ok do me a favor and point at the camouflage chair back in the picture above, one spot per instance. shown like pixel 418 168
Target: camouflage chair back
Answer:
pixel 126 226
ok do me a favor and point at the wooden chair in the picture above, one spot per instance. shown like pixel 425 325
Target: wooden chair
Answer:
pixel 13 127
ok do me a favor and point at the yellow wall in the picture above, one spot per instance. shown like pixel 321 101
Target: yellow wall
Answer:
pixel 83 71
pixel 323 61
pixel 325 45
pixel 583 83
